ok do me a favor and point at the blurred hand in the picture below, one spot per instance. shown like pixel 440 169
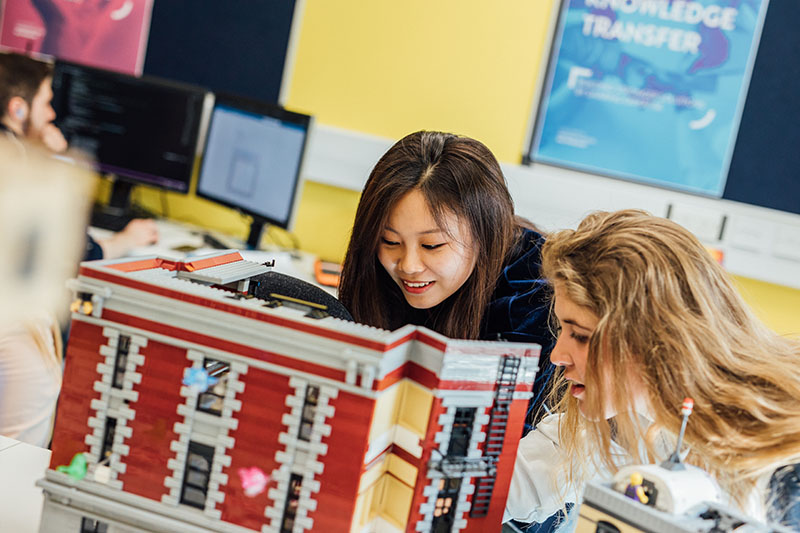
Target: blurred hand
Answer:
pixel 53 139
pixel 139 232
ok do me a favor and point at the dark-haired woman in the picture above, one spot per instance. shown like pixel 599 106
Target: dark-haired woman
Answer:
pixel 436 243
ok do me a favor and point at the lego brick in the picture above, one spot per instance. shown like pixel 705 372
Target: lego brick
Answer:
pixel 294 401
pixel 194 355
pixel 239 368
pixel 324 411
pixel 121 449
pixel 108 351
pixel 304 522
pixel 272 512
pixel 327 391
pixel 214 496
pixel 138 340
pixel 283 457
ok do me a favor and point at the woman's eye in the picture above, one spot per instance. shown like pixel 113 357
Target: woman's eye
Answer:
pixel 582 339
pixel 432 246
pixel 388 242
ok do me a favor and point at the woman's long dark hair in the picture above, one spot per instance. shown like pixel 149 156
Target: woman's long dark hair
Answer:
pixel 456 175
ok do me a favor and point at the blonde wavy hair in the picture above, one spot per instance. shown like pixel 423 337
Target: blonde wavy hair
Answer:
pixel 671 321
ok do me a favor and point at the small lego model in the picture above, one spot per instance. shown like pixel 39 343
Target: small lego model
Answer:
pixel 669 498
pixel 254 481
pixel 76 468
pixel 635 490
pixel 213 410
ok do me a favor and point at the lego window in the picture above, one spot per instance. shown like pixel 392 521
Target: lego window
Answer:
pixel 108 439
pixel 462 431
pixel 292 500
pixel 309 410
pixel 196 475
pixel 211 400
pixel 121 361
pixel 443 513
pixel 90 525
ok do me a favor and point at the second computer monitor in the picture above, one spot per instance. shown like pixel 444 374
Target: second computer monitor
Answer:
pixel 252 159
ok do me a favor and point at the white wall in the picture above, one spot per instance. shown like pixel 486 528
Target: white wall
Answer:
pixel 758 243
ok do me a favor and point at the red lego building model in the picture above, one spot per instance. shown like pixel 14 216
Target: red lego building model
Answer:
pixel 200 408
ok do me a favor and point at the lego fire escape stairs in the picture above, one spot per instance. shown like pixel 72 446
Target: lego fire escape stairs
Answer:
pixel 486 465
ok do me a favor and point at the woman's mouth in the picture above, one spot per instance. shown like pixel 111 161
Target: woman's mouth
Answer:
pixel 577 390
pixel 417 287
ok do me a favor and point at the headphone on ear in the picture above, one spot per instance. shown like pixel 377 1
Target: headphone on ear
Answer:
pixel 20 112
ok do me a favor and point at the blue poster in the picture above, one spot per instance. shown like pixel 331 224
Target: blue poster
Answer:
pixel 649 90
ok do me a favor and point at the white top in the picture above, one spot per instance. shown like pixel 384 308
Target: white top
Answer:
pixel 29 381
pixel 538 486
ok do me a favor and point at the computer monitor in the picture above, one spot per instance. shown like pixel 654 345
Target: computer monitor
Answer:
pixel 142 130
pixel 252 161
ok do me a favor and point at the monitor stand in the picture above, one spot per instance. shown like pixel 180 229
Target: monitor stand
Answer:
pixel 256 231
pixel 119 211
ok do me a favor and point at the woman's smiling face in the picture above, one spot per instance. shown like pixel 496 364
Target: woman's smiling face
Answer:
pixel 428 262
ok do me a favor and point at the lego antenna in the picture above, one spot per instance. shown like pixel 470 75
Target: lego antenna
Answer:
pixel 674 461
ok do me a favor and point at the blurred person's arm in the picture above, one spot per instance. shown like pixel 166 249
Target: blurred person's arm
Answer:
pixel 139 232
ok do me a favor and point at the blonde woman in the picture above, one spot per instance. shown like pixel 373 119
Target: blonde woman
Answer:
pixel 646 318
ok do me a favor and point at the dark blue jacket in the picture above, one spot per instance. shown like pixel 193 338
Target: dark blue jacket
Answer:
pixel 784 491
pixel 519 310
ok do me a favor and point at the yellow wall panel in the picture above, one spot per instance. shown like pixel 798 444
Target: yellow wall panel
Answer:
pixel 396 502
pixel 384 414
pixel 776 305
pixel 378 496
pixel 402 470
pixel 415 408
pixel 363 513
pixel 391 68
pixel 324 220
pixel 371 476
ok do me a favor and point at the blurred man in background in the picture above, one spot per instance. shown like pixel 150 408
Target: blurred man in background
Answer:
pixel 27 115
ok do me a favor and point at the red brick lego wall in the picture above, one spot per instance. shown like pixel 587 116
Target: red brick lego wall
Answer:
pixel 422 480
pixel 505 468
pixel 347 445
pixel 159 396
pixel 256 441
pixel 80 373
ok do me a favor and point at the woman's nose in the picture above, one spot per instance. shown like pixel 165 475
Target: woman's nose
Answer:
pixel 560 355
pixel 410 262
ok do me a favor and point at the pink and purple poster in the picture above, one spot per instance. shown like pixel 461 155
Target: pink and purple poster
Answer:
pixel 109 34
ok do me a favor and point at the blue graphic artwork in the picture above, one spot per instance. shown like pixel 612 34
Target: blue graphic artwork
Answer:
pixel 649 90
